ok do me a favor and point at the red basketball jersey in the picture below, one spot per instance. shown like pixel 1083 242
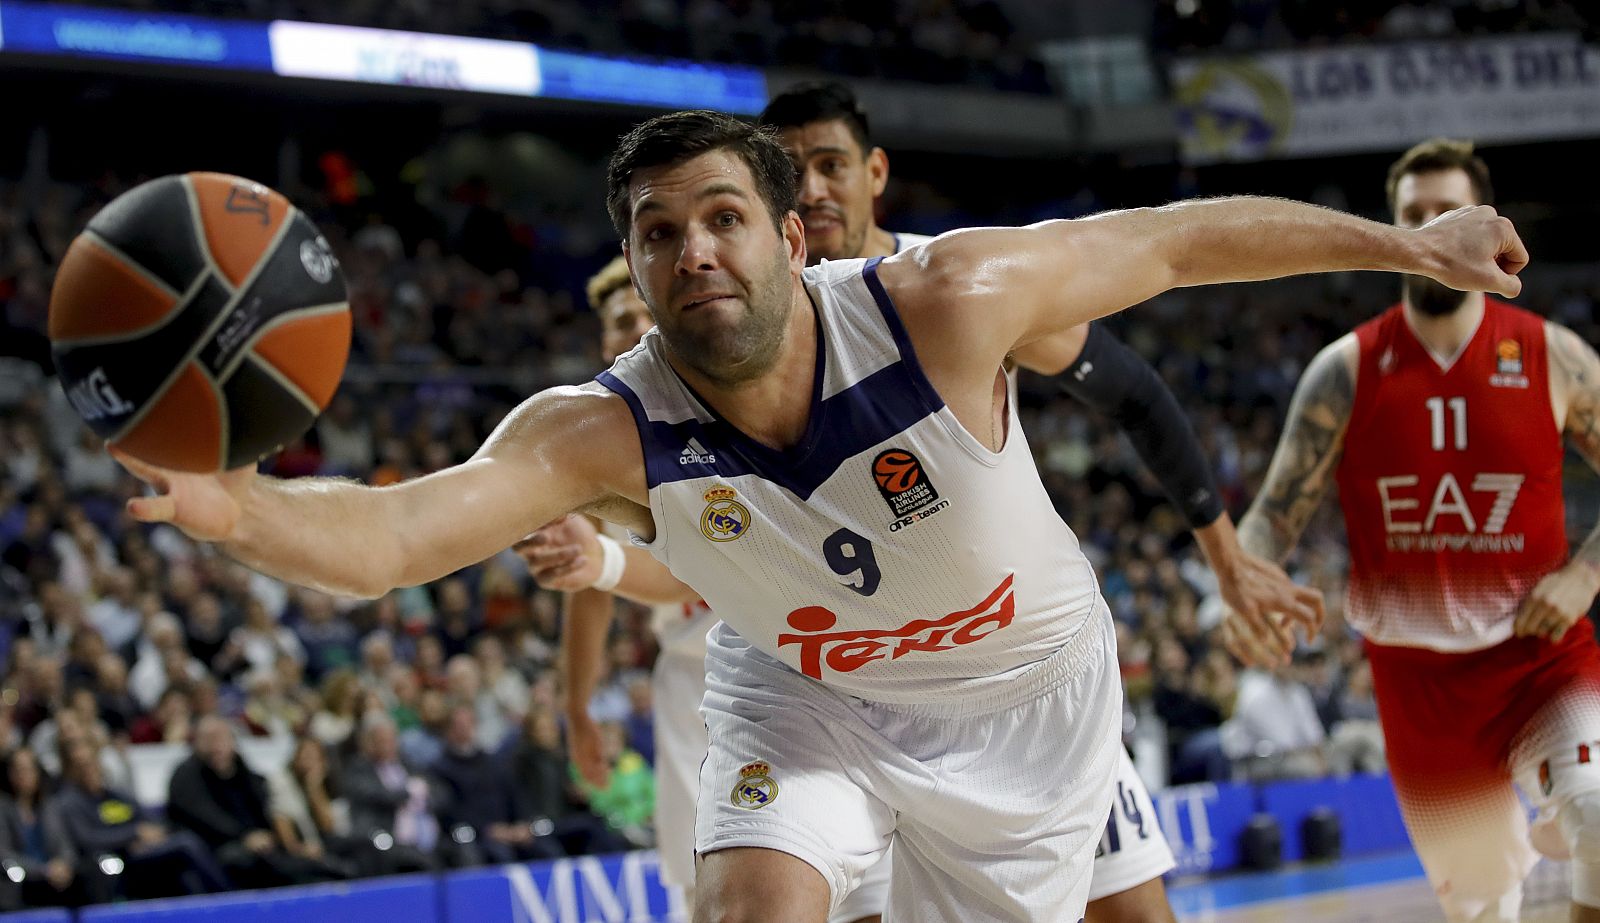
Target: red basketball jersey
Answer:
pixel 1450 482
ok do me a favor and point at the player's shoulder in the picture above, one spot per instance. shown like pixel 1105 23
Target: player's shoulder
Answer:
pixel 1342 354
pixel 587 414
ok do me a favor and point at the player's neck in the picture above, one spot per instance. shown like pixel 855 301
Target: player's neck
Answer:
pixel 774 407
pixel 1444 336
pixel 879 243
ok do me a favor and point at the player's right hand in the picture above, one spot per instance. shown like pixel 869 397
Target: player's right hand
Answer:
pixel 1264 606
pixel 207 507
pixel 1474 249
pixel 583 747
pixel 564 554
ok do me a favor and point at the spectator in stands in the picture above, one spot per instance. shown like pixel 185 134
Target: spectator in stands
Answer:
pixel 81 667
pixel 457 617
pixel 481 795
pixel 466 688
pixel 267 711
pixel 41 867
pixel 1192 718
pixel 163 661
pixel 170 722
pixel 389 798
pixel 1274 731
pixel 1355 743
pixel 345 437
pixel 335 721
pixel 430 663
pixel 261 640
pixel 116 703
pixel 208 638
pixel 44 693
pixel 215 795
pixel 329 641
pixel 505 685
pixel 102 821
pixel 423 744
pixel 377 659
pixel 304 815
pixel 539 766
pixel 116 614
pixel 629 799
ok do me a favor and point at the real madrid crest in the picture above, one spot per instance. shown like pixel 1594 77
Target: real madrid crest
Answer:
pixel 724 518
pixel 755 788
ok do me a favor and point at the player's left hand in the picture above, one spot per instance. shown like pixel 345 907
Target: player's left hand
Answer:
pixel 1558 602
pixel 1264 606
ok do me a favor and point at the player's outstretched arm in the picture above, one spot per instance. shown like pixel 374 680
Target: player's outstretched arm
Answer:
pixel 347 538
pixel 1008 283
pixel 1106 375
pixel 1564 596
pixel 1301 471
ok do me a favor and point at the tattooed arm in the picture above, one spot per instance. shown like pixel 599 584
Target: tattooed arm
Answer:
pixel 1301 470
pixel 1564 595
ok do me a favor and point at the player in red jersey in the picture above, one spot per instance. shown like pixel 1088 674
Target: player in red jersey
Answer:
pixel 1442 421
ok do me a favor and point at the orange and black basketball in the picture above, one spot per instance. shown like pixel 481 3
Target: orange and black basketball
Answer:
pixel 199 322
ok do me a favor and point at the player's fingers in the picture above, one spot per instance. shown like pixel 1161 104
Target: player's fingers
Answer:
pixel 1318 606
pixel 1507 286
pixel 1246 640
pixel 1514 254
pixel 1537 623
pixel 159 508
pixel 150 474
pixel 1297 610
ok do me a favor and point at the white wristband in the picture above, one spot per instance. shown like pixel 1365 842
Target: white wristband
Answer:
pixel 612 563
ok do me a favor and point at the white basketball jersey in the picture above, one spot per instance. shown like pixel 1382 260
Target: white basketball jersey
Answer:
pixel 680 628
pixel 888 553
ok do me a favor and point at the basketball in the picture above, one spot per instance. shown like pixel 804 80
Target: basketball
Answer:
pixel 199 322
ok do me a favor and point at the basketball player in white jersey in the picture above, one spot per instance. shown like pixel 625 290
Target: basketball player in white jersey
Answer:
pixel 840 176
pixel 679 619
pixel 914 650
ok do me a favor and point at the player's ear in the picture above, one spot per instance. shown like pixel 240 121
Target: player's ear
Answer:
pixel 878 170
pixel 794 235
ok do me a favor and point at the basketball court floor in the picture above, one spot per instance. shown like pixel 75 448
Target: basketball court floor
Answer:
pixel 1381 889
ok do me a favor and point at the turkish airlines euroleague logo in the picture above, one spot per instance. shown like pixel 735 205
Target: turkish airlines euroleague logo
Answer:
pixel 903 482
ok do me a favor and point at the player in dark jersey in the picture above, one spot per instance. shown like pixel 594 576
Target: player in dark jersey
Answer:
pixel 1442 420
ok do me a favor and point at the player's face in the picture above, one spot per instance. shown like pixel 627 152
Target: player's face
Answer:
pixel 624 318
pixel 718 277
pixel 838 184
pixel 1418 199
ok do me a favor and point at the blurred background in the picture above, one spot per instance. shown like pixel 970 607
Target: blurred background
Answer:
pixel 461 186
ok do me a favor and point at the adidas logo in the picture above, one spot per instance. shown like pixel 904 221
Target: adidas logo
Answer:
pixel 695 454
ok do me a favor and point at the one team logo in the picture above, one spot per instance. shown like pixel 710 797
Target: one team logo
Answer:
pixel 755 788
pixel 724 518
pixel 905 486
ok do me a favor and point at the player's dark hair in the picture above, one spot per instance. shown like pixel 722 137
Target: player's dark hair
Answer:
pixel 805 103
pixel 1437 154
pixel 671 139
